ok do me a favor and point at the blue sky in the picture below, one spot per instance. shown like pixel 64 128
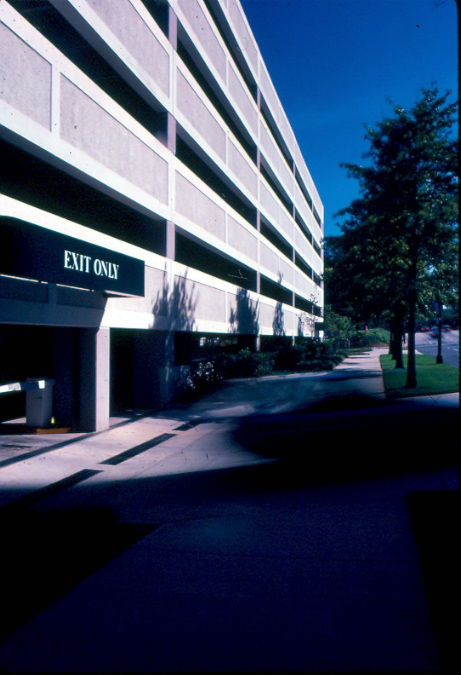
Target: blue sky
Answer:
pixel 335 65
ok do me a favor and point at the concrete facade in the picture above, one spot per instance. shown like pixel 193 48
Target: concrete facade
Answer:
pixel 148 129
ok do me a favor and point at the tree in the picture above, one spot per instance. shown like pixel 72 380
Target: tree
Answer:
pixel 339 328
pixel 359 280
pixel 403 229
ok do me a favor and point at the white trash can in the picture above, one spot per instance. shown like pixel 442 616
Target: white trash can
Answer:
pixel 39 401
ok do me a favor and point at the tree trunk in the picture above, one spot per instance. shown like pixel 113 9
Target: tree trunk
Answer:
pixel 439 358
pixel 397 353
pixel 411 367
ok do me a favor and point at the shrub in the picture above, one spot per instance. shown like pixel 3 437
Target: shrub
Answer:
pixel 306 355
pixel 372 338
pixel 246 364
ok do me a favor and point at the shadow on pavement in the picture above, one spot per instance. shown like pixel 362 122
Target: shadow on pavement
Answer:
pixel 354 438
pixel 47 554
pixel 435 523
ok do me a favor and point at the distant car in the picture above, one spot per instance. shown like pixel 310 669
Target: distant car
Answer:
pixel 446 328
pixel 424 329
pixel 435 332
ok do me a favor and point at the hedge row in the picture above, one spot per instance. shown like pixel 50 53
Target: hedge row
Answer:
pixel 311 355
pixel 307 355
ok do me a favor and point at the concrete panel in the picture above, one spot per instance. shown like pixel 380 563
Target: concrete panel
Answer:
pixel 309 183
pixel 211 302
pixel 239 238
pixel 25 78
pixel 305 249
pixel 286 271
pixel 269 202
pixel 286 176
pixel 308 217
pixel 286 130
pixel 285 224
pixel 266 315
pixel 268 258
pixel 303 285
pixel 299 200
pixel 90 128
pixel 300 284
pixel 193 108
pixel 204 33
pixel 242 168
pixel 243 313
pixel 275 158
pixel 268 91
pixel 242 98
pixel 200 209
pixel 150 303
pixel 268 147
pixel 129 27
pixel 243 34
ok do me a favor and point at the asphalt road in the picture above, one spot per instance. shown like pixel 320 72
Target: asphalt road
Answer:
pixel 426 344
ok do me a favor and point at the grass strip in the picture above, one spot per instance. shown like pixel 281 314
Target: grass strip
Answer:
pixel 432 378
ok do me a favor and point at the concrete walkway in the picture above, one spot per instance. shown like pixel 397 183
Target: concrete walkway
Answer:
pixel 240 558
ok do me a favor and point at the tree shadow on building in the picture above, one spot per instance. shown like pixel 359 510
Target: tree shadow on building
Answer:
pixel 244 317
pixel 174 311
pixel 305 325
pixel 278 323
pixel 175 305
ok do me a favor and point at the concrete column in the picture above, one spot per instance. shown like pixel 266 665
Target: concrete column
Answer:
pixel 170 240
pixel 94 375
pixel 171 133
pixel 65 390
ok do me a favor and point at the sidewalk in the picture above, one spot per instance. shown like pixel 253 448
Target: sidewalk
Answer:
pixel 25 459
pixel 240 562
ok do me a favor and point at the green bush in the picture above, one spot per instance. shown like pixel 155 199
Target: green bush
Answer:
pixel 306 355
pixel 245 364
pixel 372 338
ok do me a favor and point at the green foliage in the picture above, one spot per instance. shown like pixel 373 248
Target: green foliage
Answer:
pixel 399 242
pixel 433 378
pixel 338 328
pixel 307 355
pixel 251 364
pixel 374 337
pixel 400 237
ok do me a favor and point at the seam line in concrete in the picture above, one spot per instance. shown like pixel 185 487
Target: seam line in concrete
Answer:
pixel 49 490
pixel 137 450
pixel 62 444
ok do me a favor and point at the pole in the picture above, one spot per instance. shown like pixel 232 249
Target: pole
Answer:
pixel 439 358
